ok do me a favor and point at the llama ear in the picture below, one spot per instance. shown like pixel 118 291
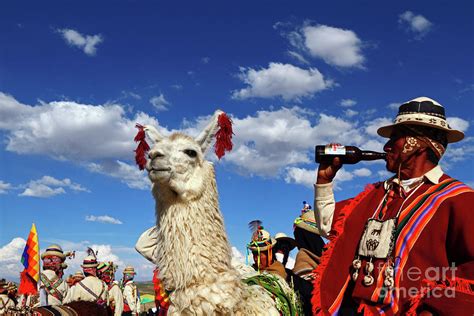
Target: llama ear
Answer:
pixel 153 133
pixel 207 135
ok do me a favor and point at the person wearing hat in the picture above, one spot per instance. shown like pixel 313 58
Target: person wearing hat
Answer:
pixel 106 272
pixel 401 241
pixel 310 245
pixel 284 245
pixel 262 245
pixel 131 296
pixel 53 289
pixel 91 288
pixel 6 302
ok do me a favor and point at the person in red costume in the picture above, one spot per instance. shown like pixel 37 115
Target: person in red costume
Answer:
pixel 403 246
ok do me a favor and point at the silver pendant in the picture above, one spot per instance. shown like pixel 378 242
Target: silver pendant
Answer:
pixel 368 280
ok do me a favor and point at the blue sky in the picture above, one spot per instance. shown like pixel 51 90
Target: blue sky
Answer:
pixel 75 77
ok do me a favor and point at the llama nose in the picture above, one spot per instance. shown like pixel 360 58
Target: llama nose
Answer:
pixel 154 154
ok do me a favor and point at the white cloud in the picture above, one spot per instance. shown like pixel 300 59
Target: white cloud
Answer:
pixel 348 102
pixel 271 141
pixel 4 187
pixel 99 137
pixel 103 219
pixel 362 172
pixel 300 176
pixel 337 47
pixel 298 57
pixel 48 186
pixel 281 80
pixel 10 255
pixel 159 102
pixel 237 255
pixel 394 105
pixel 126 173
pixel 205 60
pixel 458 123
pixel 307 177
pixel 384 174
pixel 86 43
pixel 350 113
pixel 374 125
pixel 417 24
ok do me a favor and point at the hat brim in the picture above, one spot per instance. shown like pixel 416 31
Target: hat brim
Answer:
pixel 89 265
pixel 255 248
pixel 289 240
pixel 452 135
pixel 308 228
pixel 51 253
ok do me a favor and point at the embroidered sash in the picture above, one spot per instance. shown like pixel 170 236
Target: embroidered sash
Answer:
pixel 412 222
pixel 52 286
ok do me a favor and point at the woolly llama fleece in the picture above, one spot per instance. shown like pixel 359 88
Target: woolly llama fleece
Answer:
pixel 189 244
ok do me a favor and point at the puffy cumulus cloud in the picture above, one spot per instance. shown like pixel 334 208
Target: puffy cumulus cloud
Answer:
pixel 49 186
pixel 126 173
pixel 347 102
pixel 4 187
pixel 337 47
pixel 300 176
pixel 457 152
pixel 350 113
pixel 307 177
pixel 106 219
pixel 10 255
pixel 374 125
pixel 97 136
pixel 87 43
pixel 271 141
pixel 281 80
pixel 159 102
pixel 458 123
pixel 362 172
pixel 417 24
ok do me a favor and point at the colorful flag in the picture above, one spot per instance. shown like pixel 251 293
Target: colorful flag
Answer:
pixel 31 261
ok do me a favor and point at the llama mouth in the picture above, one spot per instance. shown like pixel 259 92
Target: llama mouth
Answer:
pixel 160 169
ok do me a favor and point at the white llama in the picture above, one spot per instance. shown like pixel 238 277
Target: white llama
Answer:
pixel 189 245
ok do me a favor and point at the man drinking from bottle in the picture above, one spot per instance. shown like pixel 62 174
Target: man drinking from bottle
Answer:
pixel 404 245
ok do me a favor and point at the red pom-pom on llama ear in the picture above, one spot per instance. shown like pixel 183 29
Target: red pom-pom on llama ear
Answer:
pixel 142 147
pixel 223 135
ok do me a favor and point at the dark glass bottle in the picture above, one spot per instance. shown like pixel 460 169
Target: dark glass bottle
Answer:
pixel 348 154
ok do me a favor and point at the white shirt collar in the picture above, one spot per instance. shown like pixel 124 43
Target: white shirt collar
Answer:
pixel 433 176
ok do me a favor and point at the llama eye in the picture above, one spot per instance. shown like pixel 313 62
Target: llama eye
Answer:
pixel 191 153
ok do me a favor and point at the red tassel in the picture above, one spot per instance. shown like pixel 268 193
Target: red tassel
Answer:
pixel 223 136
pixel 27 284
pixel 142 147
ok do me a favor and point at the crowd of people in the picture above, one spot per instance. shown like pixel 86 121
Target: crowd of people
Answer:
pixel 271 254
pixel 95 283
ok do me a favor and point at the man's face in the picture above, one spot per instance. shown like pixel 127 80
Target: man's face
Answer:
pixel 394 150
pixel 263 259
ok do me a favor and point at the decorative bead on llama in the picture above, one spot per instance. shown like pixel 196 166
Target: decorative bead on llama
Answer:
pixel 189 244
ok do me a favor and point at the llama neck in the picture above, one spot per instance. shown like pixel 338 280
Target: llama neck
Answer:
pixel 192 241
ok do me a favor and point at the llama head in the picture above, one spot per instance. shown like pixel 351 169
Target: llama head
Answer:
pixel 176 164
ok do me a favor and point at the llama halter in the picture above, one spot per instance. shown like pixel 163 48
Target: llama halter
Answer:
pixel 222 145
